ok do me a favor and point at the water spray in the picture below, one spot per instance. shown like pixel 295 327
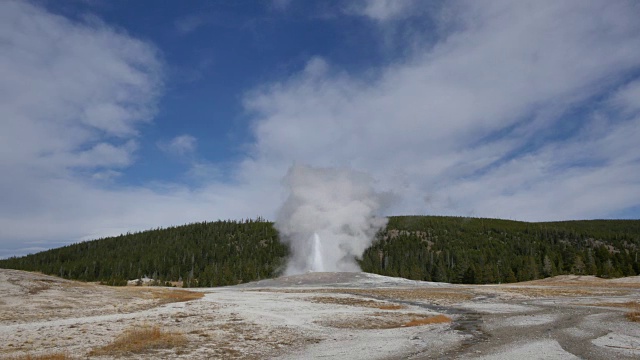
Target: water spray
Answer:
pixel 316 264
pixel 329 218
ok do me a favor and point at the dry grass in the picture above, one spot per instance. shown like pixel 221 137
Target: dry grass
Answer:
pixel 170 296
pixel 634 316
pixel 38 288
pixel 434 296
pixel 439 296
pixel 54 356
pixel 634 306
pixel 385 320
pixel 155 292
pixel 586 281
pixel 438 319
pixel 355 302
pixel 552 291
pixel 140 340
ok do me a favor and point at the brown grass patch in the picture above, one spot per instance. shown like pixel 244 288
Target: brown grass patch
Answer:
pixel 541 292
pixel 170 296
pixel 634 316
pixel 385 320
pixel 154 292
pixel 431 295
pixel 38 287
pixel 54 356
pixel 438 319
pixel 634 306
pixel 140 340
pixel 355 302
pixel 586 281
pixel 434 296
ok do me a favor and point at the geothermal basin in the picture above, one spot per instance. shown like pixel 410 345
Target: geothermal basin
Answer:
pixel 324 315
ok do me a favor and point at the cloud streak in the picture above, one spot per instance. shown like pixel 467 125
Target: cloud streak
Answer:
pixel 493 99
pixel 180 145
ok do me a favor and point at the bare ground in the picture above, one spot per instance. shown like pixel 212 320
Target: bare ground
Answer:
pixel 321 315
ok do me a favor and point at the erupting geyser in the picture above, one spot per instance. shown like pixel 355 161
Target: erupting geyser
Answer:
pixel 316 264
pixel 329 218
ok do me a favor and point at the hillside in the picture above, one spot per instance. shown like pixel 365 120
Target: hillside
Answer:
pixel 204 254
pixel 448 249
pixel 474 251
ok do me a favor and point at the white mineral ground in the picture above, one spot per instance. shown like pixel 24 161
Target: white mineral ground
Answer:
pixel 328 315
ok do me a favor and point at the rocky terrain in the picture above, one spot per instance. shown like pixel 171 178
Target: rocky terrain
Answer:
pixel 321 315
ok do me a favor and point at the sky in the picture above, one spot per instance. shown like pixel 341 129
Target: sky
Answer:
pixel 120 116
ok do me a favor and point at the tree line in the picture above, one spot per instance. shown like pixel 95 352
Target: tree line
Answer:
pixel 483 251
pixel 200 254
pixel 433 248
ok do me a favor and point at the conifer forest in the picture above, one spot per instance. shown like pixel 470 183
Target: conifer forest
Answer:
pixel 432 248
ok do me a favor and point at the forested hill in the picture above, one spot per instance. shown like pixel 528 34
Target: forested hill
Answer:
pixel 205 254
pixel 470 250
pixel 452 249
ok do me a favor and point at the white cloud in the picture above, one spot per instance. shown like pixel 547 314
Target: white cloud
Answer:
pixel 189 24
pixel 106 175
pixel 433 124
pixel 72 98
pixel 180 145
pixel 204 172
pixel 482 122
pixel 628 97
pixel 72 94
pixel 382 10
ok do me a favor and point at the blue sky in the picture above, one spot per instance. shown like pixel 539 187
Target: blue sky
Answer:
pixel 122 116
pixel 215 51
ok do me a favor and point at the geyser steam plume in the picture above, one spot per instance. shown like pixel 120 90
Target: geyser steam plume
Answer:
pixel 329 218
pixel 317 264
